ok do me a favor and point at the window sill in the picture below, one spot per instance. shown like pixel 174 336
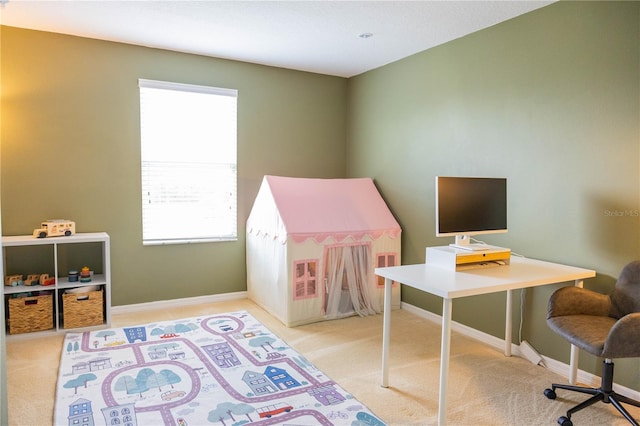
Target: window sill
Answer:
pixel 188 241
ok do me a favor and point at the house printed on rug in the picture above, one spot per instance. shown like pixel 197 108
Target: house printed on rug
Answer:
pixel 313 245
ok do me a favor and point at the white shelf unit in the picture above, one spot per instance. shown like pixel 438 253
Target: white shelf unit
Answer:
pixel 61 277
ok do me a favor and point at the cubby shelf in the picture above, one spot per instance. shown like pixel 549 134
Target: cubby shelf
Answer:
pixel 101 279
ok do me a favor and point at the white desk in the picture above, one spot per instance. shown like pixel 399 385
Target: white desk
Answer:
pixel 449 285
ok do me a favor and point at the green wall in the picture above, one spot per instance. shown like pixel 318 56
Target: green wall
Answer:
pixel 70 149
pixel 549 100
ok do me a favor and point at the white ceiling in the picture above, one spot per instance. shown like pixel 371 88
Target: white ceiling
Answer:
pixel 319 36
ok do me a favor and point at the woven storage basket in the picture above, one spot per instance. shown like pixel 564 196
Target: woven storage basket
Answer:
pixel 27 314
pixel 82 309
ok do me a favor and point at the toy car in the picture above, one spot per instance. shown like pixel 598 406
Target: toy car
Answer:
pixel 169 335
pixel 169 395
pixel 45 279
pixel 13 280
pixel 55 228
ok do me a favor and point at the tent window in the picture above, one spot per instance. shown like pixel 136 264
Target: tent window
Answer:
pixel 306 279
pixel 189 163
pixel 382 261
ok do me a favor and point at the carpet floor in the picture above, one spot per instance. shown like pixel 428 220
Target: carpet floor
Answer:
pixel 485 388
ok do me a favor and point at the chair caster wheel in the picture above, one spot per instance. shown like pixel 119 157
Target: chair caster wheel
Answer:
pixel 565 421
pixel 551 394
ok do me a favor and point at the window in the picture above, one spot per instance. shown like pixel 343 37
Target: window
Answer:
pixel 189 166
pixel 382 261
pixel 306 279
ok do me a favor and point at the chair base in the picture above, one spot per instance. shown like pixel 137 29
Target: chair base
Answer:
pixel 604 394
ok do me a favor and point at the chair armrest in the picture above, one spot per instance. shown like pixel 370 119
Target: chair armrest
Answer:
pixel 623 340
pixel 578 301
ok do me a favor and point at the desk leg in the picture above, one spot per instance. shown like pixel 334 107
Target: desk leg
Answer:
pixel 507 324
pixel 447 306
pixel 386 332
pixel 573 361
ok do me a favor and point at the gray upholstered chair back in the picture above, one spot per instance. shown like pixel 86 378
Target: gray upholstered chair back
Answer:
pixel 625 298
pixel 607 326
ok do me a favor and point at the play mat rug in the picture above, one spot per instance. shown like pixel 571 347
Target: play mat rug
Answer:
pixel 225 369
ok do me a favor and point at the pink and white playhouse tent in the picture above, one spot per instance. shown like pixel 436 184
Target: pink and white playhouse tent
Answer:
pixel 313 244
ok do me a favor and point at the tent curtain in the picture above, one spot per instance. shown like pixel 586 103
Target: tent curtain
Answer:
pixel 347 278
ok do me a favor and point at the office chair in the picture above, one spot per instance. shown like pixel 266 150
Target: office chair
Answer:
pixel 607 326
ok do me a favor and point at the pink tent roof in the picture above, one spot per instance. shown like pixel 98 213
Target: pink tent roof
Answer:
pixel 322 208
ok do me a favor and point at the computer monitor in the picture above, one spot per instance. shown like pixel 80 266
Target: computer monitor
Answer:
pixel 467 206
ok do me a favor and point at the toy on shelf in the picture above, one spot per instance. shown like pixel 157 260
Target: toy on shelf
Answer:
pixel 13 280
pixel 32 279
pixel 85 275
pixel 45 279
pixel 55 228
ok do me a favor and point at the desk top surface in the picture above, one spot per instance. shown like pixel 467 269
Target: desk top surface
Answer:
pixel 520 273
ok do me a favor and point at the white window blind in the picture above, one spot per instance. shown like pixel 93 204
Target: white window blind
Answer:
pixel 189 166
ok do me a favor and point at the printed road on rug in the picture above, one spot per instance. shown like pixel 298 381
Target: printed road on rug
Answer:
pixel 225 369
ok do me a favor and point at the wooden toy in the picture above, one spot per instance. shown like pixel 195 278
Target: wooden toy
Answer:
pixel 32 279
pixel 13 280
pixel 85 275
pixel 55 228
pixel 45 279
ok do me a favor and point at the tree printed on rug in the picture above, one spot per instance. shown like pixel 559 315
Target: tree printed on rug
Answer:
pixel 225 369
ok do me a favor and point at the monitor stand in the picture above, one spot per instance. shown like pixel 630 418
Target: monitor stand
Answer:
pixel 463 242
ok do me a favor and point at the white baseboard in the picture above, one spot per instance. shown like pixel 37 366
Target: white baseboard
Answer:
pixel 461 328
pixel 552 364
pixel 173 303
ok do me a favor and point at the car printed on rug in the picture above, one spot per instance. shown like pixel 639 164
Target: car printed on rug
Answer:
pixel 271 410
pixel 169 335
pixel 172 394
